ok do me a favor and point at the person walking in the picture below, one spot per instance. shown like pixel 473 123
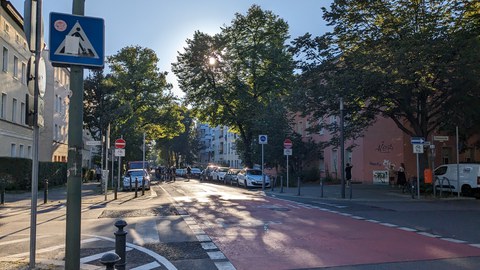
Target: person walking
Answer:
pixel 401 176
pixel 189 171
pixel 174 173
pixel 348 173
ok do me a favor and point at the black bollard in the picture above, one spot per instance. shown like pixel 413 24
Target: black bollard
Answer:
pixel 2 191
pixel 143 186
pixel 321 187
pixel 115 188
pixel 130 183
pixel 136 187
pixel 109 260
pixel 121 244
pixel 45 191
pixel 298 183
pixel 281 184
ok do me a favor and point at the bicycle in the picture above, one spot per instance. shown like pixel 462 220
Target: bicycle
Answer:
pixel 411 187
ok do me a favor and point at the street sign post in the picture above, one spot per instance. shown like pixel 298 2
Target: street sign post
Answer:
pixel 263 139
pixel 287 151
pixel 77 40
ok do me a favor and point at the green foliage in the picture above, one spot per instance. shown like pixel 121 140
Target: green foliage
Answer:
pixel 415 62
pixel 134 98
pixel 16 173
pixel 236 77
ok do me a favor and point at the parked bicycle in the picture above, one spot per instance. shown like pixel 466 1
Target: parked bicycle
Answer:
pixel 411 187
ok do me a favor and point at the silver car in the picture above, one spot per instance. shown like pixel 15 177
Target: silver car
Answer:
pixel 139 175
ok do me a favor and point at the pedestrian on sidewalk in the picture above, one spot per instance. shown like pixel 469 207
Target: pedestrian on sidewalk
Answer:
pixel 98 173
pixel 401 177
pixel 189 171
pixel 348 173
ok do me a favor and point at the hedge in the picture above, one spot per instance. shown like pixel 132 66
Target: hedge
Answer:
pixel 16 173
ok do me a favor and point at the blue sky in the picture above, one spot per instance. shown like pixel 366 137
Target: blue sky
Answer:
pixel 164 25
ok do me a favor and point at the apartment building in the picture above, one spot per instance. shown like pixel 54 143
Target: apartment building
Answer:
pixel 15 134
pixel 382 145
pixel 218 146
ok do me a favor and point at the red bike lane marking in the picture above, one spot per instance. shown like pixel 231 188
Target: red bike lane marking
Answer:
pixel 262 234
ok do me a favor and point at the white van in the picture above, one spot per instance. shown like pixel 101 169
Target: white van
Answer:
pixel 446 178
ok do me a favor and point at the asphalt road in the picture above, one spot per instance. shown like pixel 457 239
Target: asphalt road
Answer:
pixel 194 225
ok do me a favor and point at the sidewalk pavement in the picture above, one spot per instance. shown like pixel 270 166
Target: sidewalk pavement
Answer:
pixel 358 192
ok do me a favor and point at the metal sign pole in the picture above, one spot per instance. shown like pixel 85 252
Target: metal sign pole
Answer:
pixel 263 176
pixel 287 172
pixel 418 178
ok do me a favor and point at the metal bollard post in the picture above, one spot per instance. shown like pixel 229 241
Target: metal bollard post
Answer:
pixel 281 184
pixel 109 260
pixel 2 191
pixel 130 183
pixel 143 186
pixel 321 187
pixel 351 189
pixel 45 191
pixel 272 183
pixel 298 183
pixel 115 188
pixel 121 244
pixel 136 187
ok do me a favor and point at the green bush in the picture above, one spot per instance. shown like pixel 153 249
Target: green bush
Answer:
pixel 16 173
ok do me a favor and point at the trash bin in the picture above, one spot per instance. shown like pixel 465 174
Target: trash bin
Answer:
pixel 428 176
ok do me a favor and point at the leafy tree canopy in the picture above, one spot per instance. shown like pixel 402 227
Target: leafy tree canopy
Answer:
pixel 415 62
pixel 232 78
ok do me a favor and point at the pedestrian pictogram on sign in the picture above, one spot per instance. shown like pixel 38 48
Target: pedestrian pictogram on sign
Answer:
pixel 120 143
pixel 76 43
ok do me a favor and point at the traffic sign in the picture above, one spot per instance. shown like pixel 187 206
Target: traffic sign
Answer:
pixel 417 140
pixel 93 143
pixel 120 143
pixel 262 139
pixel 77 40
pixel 287 152
pixel 440 138
pixel 418 148
pixel 119 152
pixel 287 144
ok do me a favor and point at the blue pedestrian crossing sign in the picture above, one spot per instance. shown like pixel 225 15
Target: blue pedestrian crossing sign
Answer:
pixel 77 40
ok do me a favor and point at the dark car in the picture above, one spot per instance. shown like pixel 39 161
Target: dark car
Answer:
pixel 231 177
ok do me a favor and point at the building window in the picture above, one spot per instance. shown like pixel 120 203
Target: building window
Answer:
pixel 15 66
pixel 5 59
pixel 29 152
pixel 21 151
pixel 56 103
pixel 3 106
pixel 6 27
pixel 13 150
pixel 14 110
pixel 24 73
pixel 22 113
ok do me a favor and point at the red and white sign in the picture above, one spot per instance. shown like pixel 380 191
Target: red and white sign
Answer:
pixel 120 143
pixel 287 144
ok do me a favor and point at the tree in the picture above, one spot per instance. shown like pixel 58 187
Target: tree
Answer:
pixel 139 100
pixel 415 62
pixel 233 77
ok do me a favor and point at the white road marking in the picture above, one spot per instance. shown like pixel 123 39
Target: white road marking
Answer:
pixel 216 255
pixel 147 266
pixel 98 256
pixel 21 240
pixel 52 248
pixel 224 266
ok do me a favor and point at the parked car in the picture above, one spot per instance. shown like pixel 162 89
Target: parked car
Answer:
pixel 252 178
pixel 219 173
pixel 231 177
pixel 207 173
pixel 196 172
pixel 181 172
pixel 140 175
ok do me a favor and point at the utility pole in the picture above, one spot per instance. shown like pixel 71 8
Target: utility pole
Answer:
pixel 75 145
pixel 342 148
